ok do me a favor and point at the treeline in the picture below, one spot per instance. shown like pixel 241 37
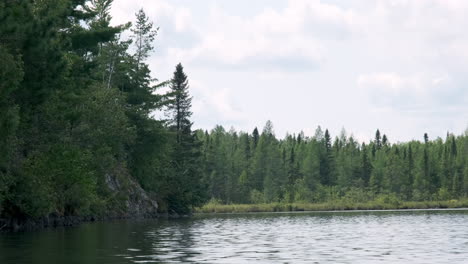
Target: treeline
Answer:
pixel 76 106
pixel 77 129
pixel 260 168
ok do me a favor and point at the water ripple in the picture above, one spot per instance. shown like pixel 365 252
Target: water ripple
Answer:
pixel 398 237
pixel 333 237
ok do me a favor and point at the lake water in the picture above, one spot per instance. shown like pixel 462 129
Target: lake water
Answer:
pixel 439 236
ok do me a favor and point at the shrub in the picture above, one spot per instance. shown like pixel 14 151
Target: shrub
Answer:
pixel 257 197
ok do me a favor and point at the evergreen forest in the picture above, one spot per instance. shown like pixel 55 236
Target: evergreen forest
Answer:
pixel 78 106
pixel 76 114
pixel 257 167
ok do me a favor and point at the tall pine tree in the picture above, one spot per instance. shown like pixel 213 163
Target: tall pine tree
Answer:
pixel 187 189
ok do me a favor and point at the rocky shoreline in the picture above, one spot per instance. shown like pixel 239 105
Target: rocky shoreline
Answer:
pixel 137 205
pixel 53 221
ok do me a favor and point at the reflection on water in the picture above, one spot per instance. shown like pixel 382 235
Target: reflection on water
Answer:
pixel 331 237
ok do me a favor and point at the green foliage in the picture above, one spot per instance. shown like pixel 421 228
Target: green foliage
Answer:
pixel 391 199
pixel 186 188
pixel 358 195
pixel 77 104
pixel 256 196
pixel 143 34
pixel 313 170
pixel 60 180
pixel 443 194
pixel 301 192
pixel 329 206
pixel 77 107
pixel 11 74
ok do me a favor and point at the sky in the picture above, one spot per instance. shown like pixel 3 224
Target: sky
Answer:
pixel 400 66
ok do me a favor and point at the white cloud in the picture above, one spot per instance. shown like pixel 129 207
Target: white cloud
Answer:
pixel 182 19
pixel 400 65
pixel 275 39
pixel 393 84
pixel 419 91
pixel 215 102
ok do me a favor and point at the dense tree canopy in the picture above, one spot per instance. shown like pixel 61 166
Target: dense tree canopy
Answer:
pixel 312 169
pixel 77 104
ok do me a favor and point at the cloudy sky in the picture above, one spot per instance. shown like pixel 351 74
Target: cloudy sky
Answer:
pixel 397 65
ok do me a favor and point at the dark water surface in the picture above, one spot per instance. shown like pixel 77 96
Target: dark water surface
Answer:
pixel 439 236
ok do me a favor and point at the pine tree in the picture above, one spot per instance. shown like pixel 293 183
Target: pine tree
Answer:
pixel 140 90
pixel 377 141
pixel 255 138
pixel 377 178
pixel 187 188
pixel 149 159
pixel 422 179
pixel 181 103
pixel 394 172
pixel 311 166
pixel 384 140
pixel 408 182
pixel 144 34
pixel 110 55
pixel 293 168
pixel 366 166
pixel 327 166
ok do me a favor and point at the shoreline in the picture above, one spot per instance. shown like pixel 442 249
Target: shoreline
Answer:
pixel 54 221
pixel 339 211
pixel 215 208
pixel 14 225
pixel 51 222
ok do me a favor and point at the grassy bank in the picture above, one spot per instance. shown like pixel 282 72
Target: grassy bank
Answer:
pixel 214 207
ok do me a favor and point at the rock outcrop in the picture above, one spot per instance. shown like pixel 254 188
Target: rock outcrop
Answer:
pixel 128 200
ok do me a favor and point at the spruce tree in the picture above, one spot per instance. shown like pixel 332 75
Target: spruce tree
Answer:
pixel 366 165
pixel 255 138
pixel 410 173
pixel 181 102
pixel 384 140
pixel 378 141
pixel 187 189
pixel 327 166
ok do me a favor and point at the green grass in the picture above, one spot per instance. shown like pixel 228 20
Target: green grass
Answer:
pixel 214 207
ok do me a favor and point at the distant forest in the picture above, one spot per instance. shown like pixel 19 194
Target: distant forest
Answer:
pixel 77 104
pixel 258 167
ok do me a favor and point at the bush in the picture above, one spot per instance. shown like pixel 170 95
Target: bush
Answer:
pixel 390 199
pixel 60 180
pixel 443 194
pixel 358 195
pixel 256 197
